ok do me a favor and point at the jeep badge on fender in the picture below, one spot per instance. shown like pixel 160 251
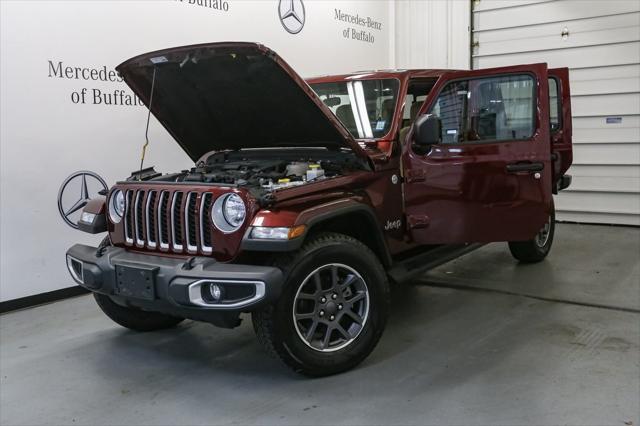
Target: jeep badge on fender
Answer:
pixel 309 199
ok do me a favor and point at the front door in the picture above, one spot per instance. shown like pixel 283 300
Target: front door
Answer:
pixel 489 177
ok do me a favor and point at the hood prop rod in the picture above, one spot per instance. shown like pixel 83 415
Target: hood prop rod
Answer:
pixel 146 133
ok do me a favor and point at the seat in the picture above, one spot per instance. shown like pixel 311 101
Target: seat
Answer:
pixel 345 115
pixel 388 107
pixel 413 113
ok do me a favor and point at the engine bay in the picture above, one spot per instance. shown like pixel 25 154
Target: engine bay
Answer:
pixel 267 170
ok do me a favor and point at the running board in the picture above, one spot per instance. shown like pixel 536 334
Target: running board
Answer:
pixel 421 263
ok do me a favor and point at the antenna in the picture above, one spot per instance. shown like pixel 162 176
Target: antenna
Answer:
pixel 146 133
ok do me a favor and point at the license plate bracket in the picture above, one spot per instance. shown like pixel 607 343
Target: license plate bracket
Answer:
pixel 136 281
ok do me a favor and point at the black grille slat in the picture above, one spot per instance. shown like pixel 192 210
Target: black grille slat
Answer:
pixel 163 218
pixel 176 220
pixel 128 217
pixel 151 218
pixel 205 223
pixel 191 218
pixel 139 216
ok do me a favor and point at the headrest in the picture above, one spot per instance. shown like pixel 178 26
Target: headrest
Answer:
pixel 415 107
pixel 345 115
pixel 344 112
pixel 388 106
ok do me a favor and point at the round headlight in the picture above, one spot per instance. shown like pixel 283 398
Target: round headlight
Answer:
pixel 116 206
pixel 234 210
pixel 228 212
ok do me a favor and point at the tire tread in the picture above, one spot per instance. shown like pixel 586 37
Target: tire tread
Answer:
pixel 529 251
pixel 264 321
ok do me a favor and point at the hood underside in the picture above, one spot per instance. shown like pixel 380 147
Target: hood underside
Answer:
pixel 227 96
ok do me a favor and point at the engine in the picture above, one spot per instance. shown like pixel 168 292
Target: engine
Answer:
pixel 268 174
pixel 266 171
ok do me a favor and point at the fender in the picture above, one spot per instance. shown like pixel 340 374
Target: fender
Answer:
pixel 313 218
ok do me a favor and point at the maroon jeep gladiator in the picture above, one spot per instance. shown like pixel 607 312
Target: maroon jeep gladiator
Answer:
pixel 308 198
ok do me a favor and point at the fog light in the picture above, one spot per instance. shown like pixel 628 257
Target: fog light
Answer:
pixel 215 291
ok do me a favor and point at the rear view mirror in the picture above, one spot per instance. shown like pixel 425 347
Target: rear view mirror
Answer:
pixel 331 102
pixel 428 130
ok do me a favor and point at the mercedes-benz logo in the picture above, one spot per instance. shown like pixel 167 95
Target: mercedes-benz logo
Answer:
pixel 292 16
pixel 75 192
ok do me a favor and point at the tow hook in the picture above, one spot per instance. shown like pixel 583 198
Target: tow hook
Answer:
pixel 101 250
pixel 188 265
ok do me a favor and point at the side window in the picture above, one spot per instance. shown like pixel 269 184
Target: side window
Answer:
pixel 417 92
pixel 487 109
pixel 451 107
pixel 554 105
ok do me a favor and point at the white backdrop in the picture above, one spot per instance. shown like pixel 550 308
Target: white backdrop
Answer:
pixel 45 135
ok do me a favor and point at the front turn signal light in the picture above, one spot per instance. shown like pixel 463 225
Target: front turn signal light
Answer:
pixel 296 231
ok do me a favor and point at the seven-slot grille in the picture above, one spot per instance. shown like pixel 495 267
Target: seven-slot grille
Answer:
pixel 176 221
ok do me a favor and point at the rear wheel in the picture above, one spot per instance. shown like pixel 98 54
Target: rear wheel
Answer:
pixel 333 308
pixel 133 318
pixel 536 249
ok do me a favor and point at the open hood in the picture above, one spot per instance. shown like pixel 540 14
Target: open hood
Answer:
pixel 219 96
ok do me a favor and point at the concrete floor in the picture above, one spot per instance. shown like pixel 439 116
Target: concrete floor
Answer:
pixel 480 340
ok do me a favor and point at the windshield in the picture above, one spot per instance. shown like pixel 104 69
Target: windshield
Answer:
pixel 365 107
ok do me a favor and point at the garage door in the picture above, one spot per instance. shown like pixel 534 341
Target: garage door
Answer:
pixel 600 42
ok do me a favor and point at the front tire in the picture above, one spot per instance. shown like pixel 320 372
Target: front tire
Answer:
pixel 332 310
pixel 536 249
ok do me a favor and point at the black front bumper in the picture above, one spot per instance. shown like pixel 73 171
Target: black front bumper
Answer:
pixel 174 286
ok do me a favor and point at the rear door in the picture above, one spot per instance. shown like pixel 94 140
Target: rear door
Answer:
pixel 560 121
pixel 490 177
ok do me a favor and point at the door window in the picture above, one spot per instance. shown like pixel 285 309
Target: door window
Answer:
pixel 487 109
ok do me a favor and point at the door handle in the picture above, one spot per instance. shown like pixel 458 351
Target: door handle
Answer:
pixel 525 167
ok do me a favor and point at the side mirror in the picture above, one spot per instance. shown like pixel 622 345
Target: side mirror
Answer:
pixel 428 130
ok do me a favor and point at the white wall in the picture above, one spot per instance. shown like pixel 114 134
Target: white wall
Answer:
pixel 432 34
pixel 45 136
